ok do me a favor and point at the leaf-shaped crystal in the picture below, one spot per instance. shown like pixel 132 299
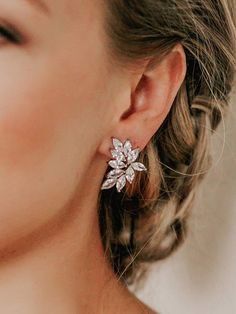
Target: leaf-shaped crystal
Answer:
pixel 115 173
pixel 109 183
pixel 117 154
pixel 127 147
pixel 133 155
pixel 138 166
pixel 120 183
pixel 116 164
pixel 129 174
pixel 117 144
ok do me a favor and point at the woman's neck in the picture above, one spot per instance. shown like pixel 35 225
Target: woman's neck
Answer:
pixel 61 268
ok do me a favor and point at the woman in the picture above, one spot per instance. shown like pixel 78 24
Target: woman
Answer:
pixel 90 89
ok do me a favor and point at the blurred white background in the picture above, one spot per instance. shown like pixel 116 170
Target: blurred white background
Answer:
pixel 201 276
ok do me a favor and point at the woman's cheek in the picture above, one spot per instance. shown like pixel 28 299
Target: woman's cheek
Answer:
pixel 37 157
pixel 45 110
pixel 27 130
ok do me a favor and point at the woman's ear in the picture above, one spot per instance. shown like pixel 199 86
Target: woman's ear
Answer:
pixel 152 93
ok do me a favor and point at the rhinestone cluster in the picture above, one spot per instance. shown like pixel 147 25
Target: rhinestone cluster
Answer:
pixel 123 165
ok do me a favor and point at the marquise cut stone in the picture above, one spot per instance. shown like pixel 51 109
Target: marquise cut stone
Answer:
pixel 117 154
pixel 129 174
pixel 138 166
pixel 127 147
pixel 109 183
pixel 117 144
pixel 115 173
pixel 116 164
pixel 120 183
pixel 133 155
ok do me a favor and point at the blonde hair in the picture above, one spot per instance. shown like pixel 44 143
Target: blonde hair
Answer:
pixel 148 221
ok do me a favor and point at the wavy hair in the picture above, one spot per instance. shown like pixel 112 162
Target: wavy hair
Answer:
pixel 149 220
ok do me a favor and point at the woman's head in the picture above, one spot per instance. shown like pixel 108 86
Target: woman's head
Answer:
pixel 75 73
pixel 62 98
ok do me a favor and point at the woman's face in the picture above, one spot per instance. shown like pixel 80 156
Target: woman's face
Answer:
pixel 55 90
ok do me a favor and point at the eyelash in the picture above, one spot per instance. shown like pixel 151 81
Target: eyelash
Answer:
pixel 10 34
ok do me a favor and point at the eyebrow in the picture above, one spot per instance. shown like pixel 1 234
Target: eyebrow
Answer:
pixel 39 5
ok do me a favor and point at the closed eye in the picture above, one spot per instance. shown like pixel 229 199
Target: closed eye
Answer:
pixel 9 34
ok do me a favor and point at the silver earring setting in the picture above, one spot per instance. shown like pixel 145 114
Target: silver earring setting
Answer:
pixel 123 164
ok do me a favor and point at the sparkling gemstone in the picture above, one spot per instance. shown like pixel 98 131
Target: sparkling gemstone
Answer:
pixel 120 183
pixel 115 173
pixel 116 164
pixel 109 183
pixel 117 144
pixel 138 166
pixel 127 147
pixel 129 174
pixel 118 155
pixel 132 155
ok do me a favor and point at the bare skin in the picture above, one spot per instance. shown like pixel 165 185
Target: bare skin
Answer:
pixel 61 100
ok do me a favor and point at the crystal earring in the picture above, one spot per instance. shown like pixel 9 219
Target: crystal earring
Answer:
pixel 123 165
